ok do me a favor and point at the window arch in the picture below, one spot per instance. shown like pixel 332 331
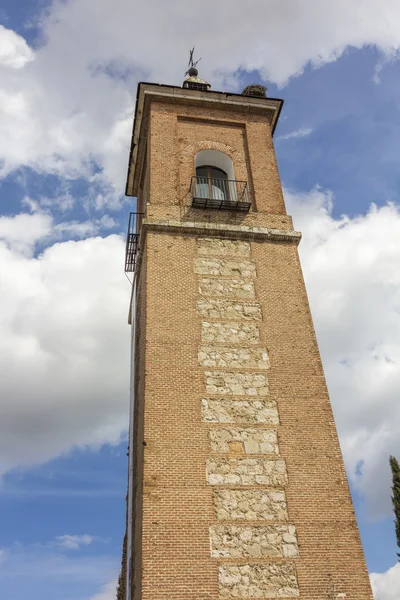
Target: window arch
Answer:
pixel 217 159
pixel 215 186
pixel 214 172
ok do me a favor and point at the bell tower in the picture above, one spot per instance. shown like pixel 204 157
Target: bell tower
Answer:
pixel 237 487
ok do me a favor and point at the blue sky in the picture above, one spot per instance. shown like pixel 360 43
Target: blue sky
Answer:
pixel 67 89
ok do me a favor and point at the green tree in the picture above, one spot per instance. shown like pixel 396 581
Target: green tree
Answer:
pixel 121 588
pixel 395 467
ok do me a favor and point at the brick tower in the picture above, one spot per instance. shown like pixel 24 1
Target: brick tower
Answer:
pixel 237 487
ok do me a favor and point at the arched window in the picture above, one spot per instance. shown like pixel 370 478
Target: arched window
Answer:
pixel 214 171
pixel 214 185
pixel 212 182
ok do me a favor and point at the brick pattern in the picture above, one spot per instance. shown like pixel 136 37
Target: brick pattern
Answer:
pixel 241 371
pixel 181 486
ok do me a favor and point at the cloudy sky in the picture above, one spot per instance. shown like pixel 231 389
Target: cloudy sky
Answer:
pixel 68 75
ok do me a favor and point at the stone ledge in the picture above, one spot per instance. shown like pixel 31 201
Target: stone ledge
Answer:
pixel 199 228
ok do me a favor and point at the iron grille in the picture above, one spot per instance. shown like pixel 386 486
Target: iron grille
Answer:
pixel 222 194
pixel 132 241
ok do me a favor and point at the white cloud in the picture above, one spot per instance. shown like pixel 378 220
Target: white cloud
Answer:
pixel 14 51
pixel 64 344
pixel 54 572
pixel 351 268
pixel 386 586
pixel 85 228
pixel 73 104
pixel 73 542
pixel 298 133
pixel 62 314
pixel 22 231
pixel 108 591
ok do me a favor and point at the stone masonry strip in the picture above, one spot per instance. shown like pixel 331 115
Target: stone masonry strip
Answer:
pixel 246 412
pixel 230 333
pixel 233 358
pixel 221 247
pixel 233 300
pixel 246 471
pixel 277 580
pixel 224 267
pixel 253 541
pixel 229 309
pixel 235 288
pixel 250 505
pixel 236 384
pixel 244 441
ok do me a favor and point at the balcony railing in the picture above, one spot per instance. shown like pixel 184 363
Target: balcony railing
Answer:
pixel 222 194
pixel 132 241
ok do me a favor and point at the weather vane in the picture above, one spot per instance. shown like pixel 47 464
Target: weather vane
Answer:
pixel 192 64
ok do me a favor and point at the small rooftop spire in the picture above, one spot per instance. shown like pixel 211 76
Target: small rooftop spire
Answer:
pixel 193 81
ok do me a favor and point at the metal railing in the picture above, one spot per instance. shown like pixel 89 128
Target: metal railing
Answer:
pixel 132 241
pixel 223 194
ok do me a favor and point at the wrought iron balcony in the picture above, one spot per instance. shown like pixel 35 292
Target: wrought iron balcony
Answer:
pixel 220 194
pixel 132 241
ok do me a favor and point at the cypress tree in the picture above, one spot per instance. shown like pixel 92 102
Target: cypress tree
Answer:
pixel 395 467
pixel 121 588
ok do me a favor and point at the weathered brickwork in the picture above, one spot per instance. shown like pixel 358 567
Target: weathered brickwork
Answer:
pixel 233 358
pixel 220 247
pixel 230 333
pixel 258 581
pixel 246 471
pixel 243 412
pixel 194 385
pixel 244 441
pixel 250 505
pixel 234 288
pixel 224 267
pixel 253 541
pixel 229 309
pixel 236 384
